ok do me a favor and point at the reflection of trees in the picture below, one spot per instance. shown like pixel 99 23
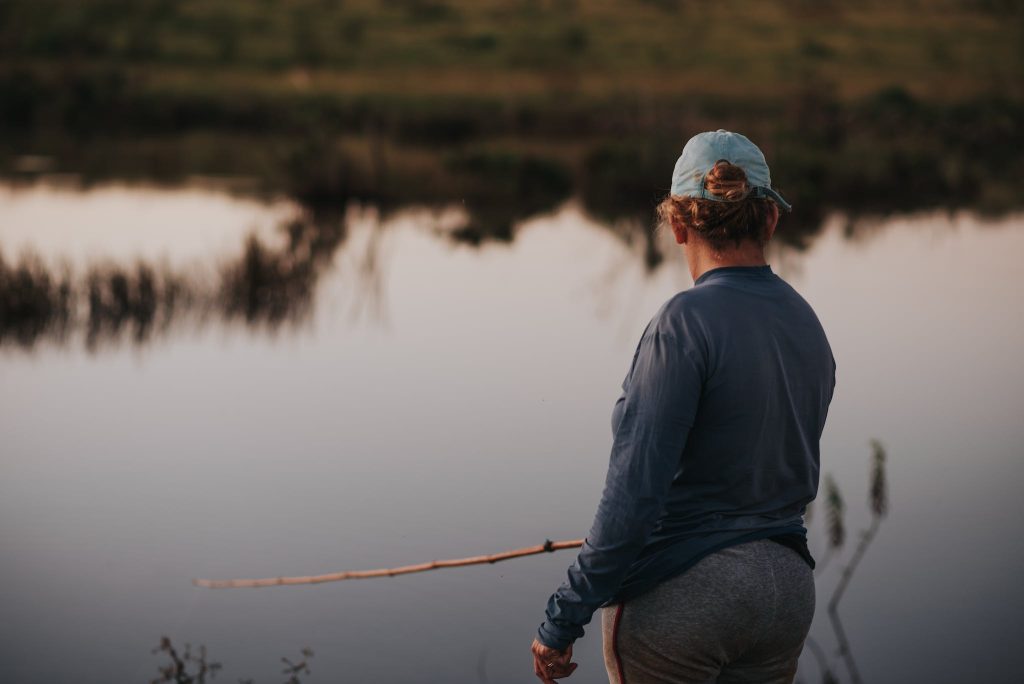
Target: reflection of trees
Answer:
pixel 138 300
pixel 33 302
pixel 827 155
pixel 268 286
pixel 501 190
pixel 264 287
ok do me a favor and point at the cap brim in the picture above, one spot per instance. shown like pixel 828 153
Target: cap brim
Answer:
pixel 778 199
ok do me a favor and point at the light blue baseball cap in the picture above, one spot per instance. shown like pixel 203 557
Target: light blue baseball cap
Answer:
pixel 704 150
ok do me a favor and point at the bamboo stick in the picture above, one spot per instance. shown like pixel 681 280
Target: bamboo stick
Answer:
pixel 547 547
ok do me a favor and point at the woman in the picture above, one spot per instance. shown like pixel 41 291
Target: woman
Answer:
pixel 697 556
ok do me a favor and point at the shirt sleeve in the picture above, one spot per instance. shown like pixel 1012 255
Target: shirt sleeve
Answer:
pixel 656 412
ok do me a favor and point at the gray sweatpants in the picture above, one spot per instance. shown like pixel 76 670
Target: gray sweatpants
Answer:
pixel 739 615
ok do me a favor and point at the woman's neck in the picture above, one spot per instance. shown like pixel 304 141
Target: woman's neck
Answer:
pixel 702 258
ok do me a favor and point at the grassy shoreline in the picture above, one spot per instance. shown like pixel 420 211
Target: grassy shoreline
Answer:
pixel 937 50
pixel 868 107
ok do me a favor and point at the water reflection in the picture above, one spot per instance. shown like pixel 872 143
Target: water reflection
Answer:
pixel 271 283
pixel 271 280
pixel 264 287
pixel 267 286
pixel 827 156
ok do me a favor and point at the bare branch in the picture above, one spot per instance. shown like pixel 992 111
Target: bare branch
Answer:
pixel 834 508
pixel 879 486
pixel 879 504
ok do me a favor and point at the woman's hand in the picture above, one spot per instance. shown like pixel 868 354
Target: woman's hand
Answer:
pixel 549 664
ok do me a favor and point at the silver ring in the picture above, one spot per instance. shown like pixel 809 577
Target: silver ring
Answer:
pixel 551 664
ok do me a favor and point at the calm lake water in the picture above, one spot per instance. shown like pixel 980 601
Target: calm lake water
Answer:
pixel 438 400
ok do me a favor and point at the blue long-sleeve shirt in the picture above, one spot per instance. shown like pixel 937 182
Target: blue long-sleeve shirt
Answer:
pixel 716 440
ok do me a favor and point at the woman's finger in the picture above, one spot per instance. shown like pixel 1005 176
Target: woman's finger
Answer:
pixel 540 669
pixel 564 671
pixel 558 670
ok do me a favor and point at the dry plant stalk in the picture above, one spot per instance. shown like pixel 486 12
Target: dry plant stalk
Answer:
pixel 547 547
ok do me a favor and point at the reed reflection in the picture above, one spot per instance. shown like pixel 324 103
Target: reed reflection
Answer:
pixel 193 666
pixel 264 287
pixel 272 284
pixel 269 284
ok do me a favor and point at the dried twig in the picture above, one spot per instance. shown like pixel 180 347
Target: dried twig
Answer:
pixel 879 500
pixel 177 671
pixel 293 670
pixel 547 547
pixel 834 509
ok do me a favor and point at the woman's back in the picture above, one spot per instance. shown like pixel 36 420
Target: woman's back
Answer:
pixel 750 463
pixel 753 449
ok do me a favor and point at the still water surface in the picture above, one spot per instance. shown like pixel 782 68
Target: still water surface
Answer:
pixel 441 400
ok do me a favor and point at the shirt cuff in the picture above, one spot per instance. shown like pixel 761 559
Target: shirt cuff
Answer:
pixel 550 636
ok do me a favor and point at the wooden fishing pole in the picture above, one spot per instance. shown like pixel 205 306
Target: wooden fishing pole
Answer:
pixel 547 547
